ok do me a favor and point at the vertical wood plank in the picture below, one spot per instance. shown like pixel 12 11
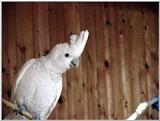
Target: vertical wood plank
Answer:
pixel 115 57
pixel 102 62
pixel 120 37
pixel 43 28
pixel 151 45
pixel 142 63
pixel 87 16
pixel 24 32
pixel 36 41
pixel 121 23
pixel 126 38
pixel 135 56
pixel 12 43
pixel 108 62
pixel 53 25
pixel 5 57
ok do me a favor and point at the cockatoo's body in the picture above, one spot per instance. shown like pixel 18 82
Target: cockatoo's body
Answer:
pixel 39 82
pixel 39 96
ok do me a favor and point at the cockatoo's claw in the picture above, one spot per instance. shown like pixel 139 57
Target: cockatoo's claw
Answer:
pixel 36 116
pixel 20 109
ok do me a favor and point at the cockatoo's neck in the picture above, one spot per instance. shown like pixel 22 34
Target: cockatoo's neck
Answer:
pixel 51 66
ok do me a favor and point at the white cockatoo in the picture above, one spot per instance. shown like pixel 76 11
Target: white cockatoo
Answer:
pixel 39 82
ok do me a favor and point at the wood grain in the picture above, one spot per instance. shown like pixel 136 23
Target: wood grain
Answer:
pixel 118 68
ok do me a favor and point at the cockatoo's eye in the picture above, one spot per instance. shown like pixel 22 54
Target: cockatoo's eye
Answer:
pixel 66 55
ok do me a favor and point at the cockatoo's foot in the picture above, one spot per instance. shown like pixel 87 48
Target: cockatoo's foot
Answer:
pixel 36 116
pixel 20 109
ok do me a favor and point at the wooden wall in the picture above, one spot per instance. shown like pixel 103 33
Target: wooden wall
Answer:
pixel 119 66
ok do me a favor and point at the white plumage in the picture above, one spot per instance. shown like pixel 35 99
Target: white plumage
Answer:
pixel 39 82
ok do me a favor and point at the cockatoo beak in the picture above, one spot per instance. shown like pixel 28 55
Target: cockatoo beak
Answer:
pixel 74 63
pixel 78 43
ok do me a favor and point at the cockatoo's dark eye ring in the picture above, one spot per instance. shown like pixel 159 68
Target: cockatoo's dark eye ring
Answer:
pixel 66 55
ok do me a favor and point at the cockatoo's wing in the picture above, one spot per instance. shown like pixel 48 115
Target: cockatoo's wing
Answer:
pixel 58 92
pixel 21 73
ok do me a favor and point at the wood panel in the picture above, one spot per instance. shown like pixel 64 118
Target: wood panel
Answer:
pixel 108 63
pixel 151 45
pixel 41 29
pixel 5 58
pixel 102 62
pixel 115 60
pixel 125 35
pixel 118 68
pixel 87 16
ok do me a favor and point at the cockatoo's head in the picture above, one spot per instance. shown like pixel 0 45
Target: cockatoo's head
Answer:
pixel 66 55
